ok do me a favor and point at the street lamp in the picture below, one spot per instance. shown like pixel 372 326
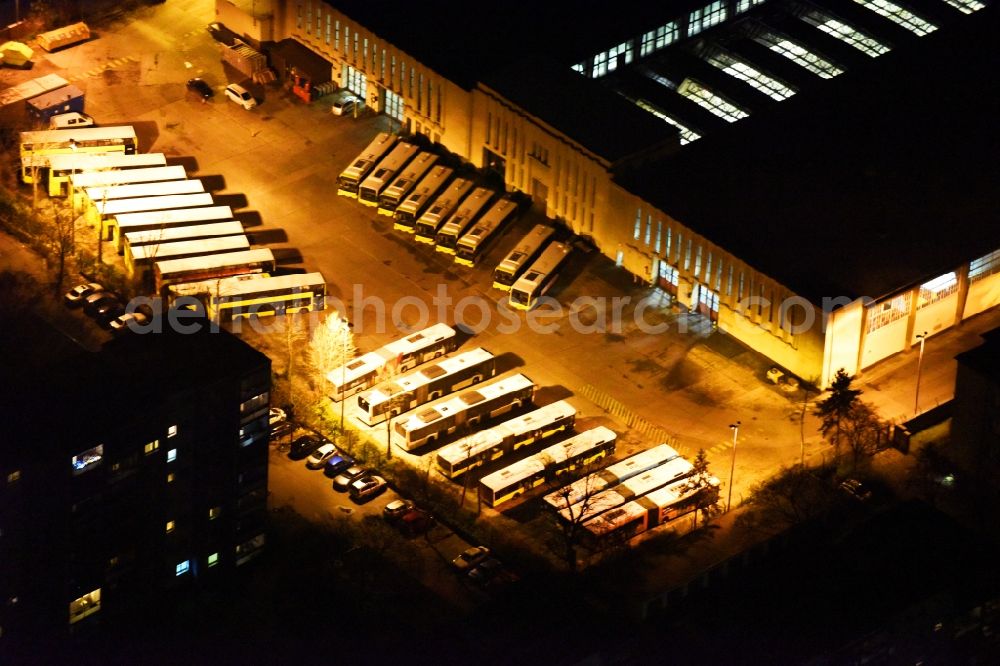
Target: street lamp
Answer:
pixel 920 363
pixel 735 427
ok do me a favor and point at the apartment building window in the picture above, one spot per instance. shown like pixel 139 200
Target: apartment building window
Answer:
pixel 213 559
pixel 171 476
pixel 182 568
pixel 172 431
pixel 170 526
pixel 14 476
pixel 84 606
pixel 171 455
pixel 151 446
pixel 214 512
pixel 706 17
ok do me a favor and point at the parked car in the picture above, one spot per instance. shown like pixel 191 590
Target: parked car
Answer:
pixel 241 96
pixel 321 455
pixel 416 522
pixel 122 323
pixel 275 415
pixel 485 571
pixel 75 296
pixel 397 508
pixel 108 312
pixel 201 87
pixel 304 446
pixel 281 429
pixel 470 557
pixel 856 489
pixel 367 487
pixel 345 105
pixel 345 478
pixel 337 464
pixel 98 300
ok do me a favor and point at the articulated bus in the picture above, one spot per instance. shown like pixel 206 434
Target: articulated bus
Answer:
pixel 136 190
pixel 376 182
pixel 428 383
pixel 102 214
pixel 637 486
pixel 272 295
pixel 189 233
pixel 37 147
pixel 350 178
pixel 414 205
pixel 610 476
pixel 513 480
pixel 538 279
pixel 482 447
pixel 212 267
pixel 204 289
pixel 462 219
pixel 468 409
pixel 164 219
pixel 657 508
pixel 63 168
pixel 474 243
pixel 527 250
pixel 140 258
pixel 399 356
pixel 431 220
pixel 393 195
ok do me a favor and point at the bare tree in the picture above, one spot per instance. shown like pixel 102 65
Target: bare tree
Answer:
pixel 574 508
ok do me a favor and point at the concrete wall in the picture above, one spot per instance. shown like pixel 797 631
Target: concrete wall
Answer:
pixel 254 21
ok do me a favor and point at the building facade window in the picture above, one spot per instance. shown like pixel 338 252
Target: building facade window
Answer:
pixel 182 568
pixel 213 559
pixel 170 526
pixel 214 512
pixel 638 224
pixel 14 477
pixel 706 17
pixel 171 455
pixel 151 446
pixel 85 606
pixel 654 40
pixel 984 266
pixel 937 289
pixel 171 431
pixel 886 312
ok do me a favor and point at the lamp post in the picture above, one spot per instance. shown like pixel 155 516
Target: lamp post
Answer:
pixel 920 363
pixel 735 427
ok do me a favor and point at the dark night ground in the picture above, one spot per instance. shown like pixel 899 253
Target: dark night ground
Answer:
pixel 297 604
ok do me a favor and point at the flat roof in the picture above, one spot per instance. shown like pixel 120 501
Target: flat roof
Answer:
pixel 984 359
pixel 882 178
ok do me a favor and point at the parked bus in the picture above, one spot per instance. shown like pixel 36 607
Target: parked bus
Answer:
pixel 63 167
pixel 407 179
pixel 659 507
pixel 637 486
pixel 164 219
pixel 84 178
pixel 538 279
pixel 274 295
pixel 513 480
pixel 447 237
pixel 38 146
pixel 468 409
pixel 103 213
pixel 140 258
pixel 376 182
pixel 203 289
pixel 423 194
pixel 428 383
pixel 212 267
pixel 610 476
pixel 188 233
pixel 137 190
pixel 350 178
pixel 431 220
pixel 474 243
pixel 399 356
pixel 527 250
pixel 482 447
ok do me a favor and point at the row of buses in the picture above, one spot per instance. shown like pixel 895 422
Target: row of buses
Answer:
pixel 165 224
pixel 449 212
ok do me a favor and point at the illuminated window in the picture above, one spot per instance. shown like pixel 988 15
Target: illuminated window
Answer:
pixel 729 282
pixel 172 431
pixel 799 55
pixel 580 67
pixel 170 477
pixel 745 5
pixel 937 289
pixel 170 526
pixel 248 549
pixel 984 266
pixel 336 35
pixel 659 236
pixel 213 559
pixel 687 256
pixel 886 312
pixel 171 455
pixel 88 460
pixel 899 16
pixel 710 101
pixel 738 69
pixel 214 512
pixel 649 228
pixel 83 606
pixel 14 476
pixel 697 261
pixel 666 247
pixel 966 6
pixel 654 40
pixel 638 224
pixel 706 17
pixel 182 568
pixel 608 61
pixel 846 33
pixel 152 446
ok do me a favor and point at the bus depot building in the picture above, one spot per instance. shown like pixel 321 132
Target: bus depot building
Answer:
pixel 817 179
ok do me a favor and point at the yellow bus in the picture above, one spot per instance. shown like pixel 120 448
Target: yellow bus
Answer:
pixel 38 146
pixel 66 168
pixel 276 295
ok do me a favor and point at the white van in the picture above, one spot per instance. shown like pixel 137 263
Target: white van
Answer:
pixel 240 95
pixel 70 120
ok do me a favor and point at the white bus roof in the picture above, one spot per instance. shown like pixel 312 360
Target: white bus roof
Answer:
pixel 615 518
pixel 142 204
pixel 230 228
pixel 497 213
pixel 274 282
pixel 454 404
pixel 549 261
pixel 189 248
pixel 477 443
pixel 107 177
pixel 136 190
pixel 414 170
pixel 425 375
pixel 379 146
pixel 448 199
pixel 94 162
pixel 173 216
pixel 375 360
pixel 427 187
pixel 555 454
pixel 465 213
pixel 209 261
pixel 611 475
pixel 218 285
pixel 77 134
pixel 391 164
pixel 629 490
pixel 526 247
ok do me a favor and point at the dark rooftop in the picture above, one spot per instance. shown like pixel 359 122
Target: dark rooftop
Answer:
pixel 882 178
pixel 984 359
